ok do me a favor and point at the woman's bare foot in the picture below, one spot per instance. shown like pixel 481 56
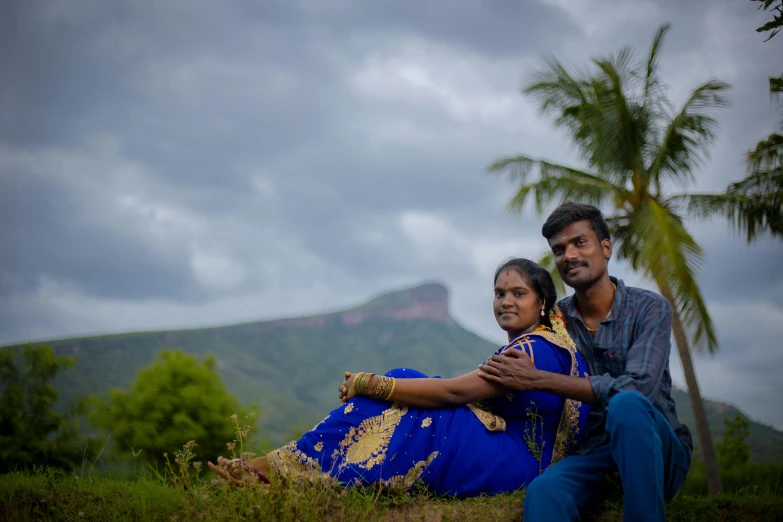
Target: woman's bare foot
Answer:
pixel 232 470
pixel 226 477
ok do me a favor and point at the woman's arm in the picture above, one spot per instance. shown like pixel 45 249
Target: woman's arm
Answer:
pixel 433 393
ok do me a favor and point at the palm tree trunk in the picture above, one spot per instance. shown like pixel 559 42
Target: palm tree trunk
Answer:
pixel 699 413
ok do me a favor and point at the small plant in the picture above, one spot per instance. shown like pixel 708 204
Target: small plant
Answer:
pixel 241 437
pixel 135 455
pixel 182 458
pixel 733 450
pixel 534 420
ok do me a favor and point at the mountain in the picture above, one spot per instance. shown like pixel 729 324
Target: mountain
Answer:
pixel 292 367
pixel 766 443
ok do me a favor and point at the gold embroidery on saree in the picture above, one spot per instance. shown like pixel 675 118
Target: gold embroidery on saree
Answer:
pixel 291 462
pixel 527 347
pixel 490 421
pixel 426 423
pixel 404 482
pixel 365 445
pixel 568 429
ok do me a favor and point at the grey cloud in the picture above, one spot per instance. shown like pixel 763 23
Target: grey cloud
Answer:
pixel 495 28
pixel 45 235
pixel 736 269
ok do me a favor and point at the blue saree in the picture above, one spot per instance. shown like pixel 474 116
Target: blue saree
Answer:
pixel 495 446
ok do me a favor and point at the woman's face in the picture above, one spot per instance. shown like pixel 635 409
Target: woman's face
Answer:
pixel 517 308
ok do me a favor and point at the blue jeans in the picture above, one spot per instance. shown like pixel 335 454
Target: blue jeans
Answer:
pixel 642 446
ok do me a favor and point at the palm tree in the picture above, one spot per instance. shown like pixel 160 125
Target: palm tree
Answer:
pixel 547 262
pixel 776 24
pixel 634 146
pixel 753 205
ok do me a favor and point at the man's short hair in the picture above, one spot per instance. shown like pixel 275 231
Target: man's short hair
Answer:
pixel 571 212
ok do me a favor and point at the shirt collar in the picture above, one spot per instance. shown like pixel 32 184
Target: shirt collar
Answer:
pixel 568 304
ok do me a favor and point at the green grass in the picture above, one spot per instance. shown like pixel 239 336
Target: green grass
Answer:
pixel 750 477
pixel 56 496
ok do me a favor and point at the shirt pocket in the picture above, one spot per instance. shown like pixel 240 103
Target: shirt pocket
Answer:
pixel 615 360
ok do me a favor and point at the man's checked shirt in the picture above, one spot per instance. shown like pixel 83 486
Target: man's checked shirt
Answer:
pixel 630 352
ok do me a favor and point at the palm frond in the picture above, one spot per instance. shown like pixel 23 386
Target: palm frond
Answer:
pixel 555 184
pixel 760 181
pixel 753 206
pixel 655 241
pixel 555 89
pixel 776 85
pixel 618 115
pixel 776 23
pixel 685 144
pixel 552 189
pixel 652 82
pixel 517 168
pixel 655 106
pixel 573 100
pixel 768 154
pixel 547 262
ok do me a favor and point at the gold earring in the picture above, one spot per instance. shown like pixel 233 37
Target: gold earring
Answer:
pixel 542 312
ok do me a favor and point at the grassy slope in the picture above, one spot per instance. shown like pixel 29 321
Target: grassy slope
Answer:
pixel 766 443
pixel 50 497
pixel 292 374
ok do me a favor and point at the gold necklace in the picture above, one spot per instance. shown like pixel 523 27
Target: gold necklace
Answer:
pixel 593 330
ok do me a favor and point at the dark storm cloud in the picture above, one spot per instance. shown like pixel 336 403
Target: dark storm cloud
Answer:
pixel 497 28
pixel 736 270
pixel 47 234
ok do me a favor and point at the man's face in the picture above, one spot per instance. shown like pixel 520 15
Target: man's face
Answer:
pixel 579 256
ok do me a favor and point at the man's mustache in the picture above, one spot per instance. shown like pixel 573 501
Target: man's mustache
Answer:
pixel 573 264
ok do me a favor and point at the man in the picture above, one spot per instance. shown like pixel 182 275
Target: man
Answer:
pixel 624 335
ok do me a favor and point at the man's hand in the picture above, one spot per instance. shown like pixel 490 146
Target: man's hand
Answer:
pixel 512 369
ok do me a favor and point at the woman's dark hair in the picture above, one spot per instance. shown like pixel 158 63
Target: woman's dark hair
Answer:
pixel 539 280
pixel 570 212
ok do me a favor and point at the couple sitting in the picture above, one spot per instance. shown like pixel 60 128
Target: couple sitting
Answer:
pixel 582 389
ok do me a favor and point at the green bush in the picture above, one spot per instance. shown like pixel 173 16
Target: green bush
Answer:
pixel 31 432
pixel 178 398
pixel 733 450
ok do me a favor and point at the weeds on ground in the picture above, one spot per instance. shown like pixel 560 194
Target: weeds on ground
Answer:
pixel 58 496
pixel 181 492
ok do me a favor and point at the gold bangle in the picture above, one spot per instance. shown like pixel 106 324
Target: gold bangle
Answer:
pixel 361 382
pixel 384 387
pixel 378 390
pixel 357 382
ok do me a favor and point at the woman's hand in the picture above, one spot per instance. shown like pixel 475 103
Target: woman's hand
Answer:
pixel 346 388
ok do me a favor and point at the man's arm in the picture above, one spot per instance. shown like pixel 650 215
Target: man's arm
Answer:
pixel 576 388
pixel 645 364
pixel 514 369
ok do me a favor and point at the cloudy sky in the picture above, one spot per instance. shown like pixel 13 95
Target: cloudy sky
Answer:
pixel 187 163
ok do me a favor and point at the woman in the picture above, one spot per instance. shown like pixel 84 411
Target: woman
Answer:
pixel 463 436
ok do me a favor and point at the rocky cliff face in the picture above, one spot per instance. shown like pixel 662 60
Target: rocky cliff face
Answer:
pixel 428 301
